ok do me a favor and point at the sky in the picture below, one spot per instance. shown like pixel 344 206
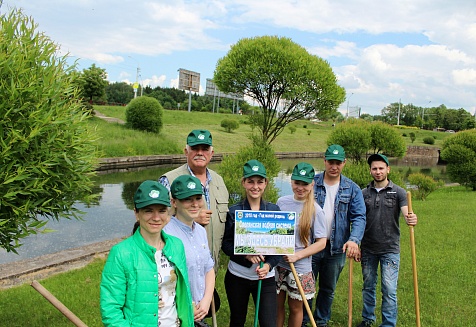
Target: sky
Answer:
pixel 421 52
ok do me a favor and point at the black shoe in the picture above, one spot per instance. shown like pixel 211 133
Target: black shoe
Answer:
pixel 365 324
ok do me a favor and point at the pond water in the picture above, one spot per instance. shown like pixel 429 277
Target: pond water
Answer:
pixel 113 217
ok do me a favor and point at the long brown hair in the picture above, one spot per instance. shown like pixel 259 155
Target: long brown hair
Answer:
pixel 307 216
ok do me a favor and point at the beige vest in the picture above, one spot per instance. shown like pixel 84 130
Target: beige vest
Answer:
pixel 218 205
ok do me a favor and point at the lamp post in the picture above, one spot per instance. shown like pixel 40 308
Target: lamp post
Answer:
pixel 348 104
pixel 423 115
pixel 136 84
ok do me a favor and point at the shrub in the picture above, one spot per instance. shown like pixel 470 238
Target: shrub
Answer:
pixel 48 151
pixel 429 140
pixel 229 124
pixel 308 132
pixel 412 137
pixel 459 150
pixel 144 114
pixel 231 168
pixel 292 129
pixel 304 126
pixel 424 185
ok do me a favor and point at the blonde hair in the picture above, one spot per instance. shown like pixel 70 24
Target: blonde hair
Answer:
pixel 307 216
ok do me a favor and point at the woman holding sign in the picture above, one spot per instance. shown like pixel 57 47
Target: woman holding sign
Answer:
pixel 310 238
pixel 244 272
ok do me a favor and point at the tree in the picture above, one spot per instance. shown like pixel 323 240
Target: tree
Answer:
pixel 47 152
pixel 286 81
pixel 119 92
pixel 144 114
pixel 358 137
pixel 93 82
pixel 459 150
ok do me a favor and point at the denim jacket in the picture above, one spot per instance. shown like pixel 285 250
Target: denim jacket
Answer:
pixel 349 212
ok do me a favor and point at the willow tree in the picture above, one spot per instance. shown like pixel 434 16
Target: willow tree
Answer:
pixel 47 151
pixel 286 80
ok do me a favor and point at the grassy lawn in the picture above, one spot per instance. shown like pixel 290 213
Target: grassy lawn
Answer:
pixel 446 261
pixel 117 140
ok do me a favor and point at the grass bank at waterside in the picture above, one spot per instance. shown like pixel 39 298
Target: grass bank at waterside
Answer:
pixel 446 263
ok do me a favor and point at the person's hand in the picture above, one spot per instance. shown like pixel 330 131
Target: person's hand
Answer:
pixel 291 258
pixel 262 272
pixel 255 258
pixel 411 219
pixel 351 249
pixel 204 217
pixel 358 257
pixel 201 309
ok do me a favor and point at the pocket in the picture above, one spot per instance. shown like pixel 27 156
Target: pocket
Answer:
pixel 344 200
pixel 222 209
pixel 390 200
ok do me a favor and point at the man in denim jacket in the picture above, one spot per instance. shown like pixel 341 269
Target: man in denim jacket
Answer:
pixel 344 209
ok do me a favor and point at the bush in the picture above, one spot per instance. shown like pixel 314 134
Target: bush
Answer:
pixel 231 168
pixel 412 137
pixel 292 129
pixel 229 124
pixel 459 150
pixel 424 185
pixel 144 114
pixel 429 140
pixel 48 152
pixel 308 132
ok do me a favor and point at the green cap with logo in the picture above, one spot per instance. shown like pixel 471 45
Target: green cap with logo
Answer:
pixel 303 172
pixel 199 136
pixel 151 192
pixel 335 152
pixel 378 157
pixel 254 168
pixel 186 186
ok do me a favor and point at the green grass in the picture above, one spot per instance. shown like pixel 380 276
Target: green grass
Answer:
pixel 118 140
pixel 446 261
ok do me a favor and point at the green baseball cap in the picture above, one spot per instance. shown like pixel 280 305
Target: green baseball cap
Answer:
pixel 185 186
pixel 199 136
pixel 378 157
pixel 151 192
pixel 254 168
pixel 335 152
pixel 303 172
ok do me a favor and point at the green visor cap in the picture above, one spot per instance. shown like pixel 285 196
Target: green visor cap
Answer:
pixel 151 192
pixel 254 168
pixel 378 157
pixel 199 136
pixel 186 186
pixel 335 152
pixel 303 172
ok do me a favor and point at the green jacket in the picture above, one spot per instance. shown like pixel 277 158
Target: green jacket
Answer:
pixel 129 285
pixel 218 205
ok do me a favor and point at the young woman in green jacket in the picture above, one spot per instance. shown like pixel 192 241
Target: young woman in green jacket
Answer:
pixel 145 279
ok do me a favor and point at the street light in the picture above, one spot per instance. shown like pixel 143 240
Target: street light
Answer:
pixel 136 84
pixel 348 104
pixel 423 115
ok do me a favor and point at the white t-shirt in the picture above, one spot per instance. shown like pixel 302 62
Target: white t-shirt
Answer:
pixel 318 230
pixel 167 311
pixel 329 204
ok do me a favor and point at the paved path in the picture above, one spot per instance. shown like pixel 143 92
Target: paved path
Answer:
pixel 108 119
pixel 16 273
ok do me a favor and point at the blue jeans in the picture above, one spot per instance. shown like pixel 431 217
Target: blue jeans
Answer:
pixel 326 269
pixel 389 265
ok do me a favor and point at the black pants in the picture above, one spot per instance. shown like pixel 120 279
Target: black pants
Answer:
pixel 238 292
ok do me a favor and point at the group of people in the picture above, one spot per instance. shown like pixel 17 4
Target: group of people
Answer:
pixel 164 274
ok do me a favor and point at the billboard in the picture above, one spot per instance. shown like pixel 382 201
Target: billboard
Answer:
pixel 212 90
pixel 188 80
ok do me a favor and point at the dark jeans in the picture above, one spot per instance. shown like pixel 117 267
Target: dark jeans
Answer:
pixel 326 269
pixel 238 292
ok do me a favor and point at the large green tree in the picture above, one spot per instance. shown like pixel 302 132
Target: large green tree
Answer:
pixel 360 137
pixel 47 152
pixel 288 82
pixel 93 82
pixel 459 150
